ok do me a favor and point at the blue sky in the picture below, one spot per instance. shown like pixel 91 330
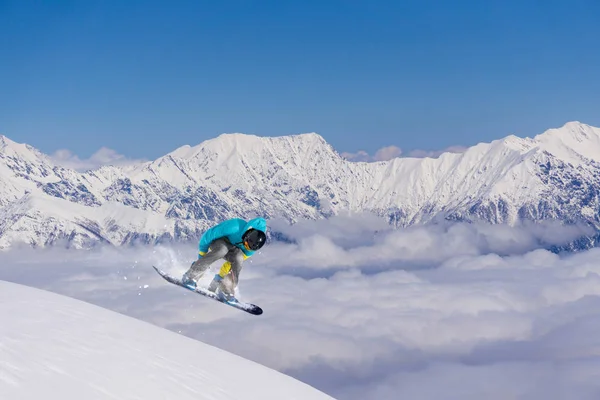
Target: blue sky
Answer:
pixel 143 78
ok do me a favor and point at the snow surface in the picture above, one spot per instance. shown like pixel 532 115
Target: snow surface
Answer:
pixel 52 346
pixel 175 197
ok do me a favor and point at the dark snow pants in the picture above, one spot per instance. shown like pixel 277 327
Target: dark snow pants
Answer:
pixel 230 271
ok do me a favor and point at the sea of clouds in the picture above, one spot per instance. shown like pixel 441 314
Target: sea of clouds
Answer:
pixel 360 311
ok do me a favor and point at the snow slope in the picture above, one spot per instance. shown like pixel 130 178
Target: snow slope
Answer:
pixel 175 197
pixel 57 347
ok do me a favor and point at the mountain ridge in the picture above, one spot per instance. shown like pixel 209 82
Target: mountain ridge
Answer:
pixel 550 175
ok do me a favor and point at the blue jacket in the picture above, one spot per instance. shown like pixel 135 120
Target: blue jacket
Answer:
pixel 232 229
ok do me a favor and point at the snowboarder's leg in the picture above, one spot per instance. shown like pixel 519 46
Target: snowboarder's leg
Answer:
pixel 218 249
pixel 228 275
pixel 235 258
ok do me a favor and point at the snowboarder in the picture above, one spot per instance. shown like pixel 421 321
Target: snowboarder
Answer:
pixel 233 240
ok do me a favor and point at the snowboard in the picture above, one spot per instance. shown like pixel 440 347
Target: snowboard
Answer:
pixel 240 305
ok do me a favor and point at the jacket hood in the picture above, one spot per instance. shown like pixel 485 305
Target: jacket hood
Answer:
pixel 256 223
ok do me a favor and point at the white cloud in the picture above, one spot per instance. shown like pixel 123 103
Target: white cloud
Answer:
pixel 387 153
pixel 363 241
pixel 390 152
pixel 383 154
pixel 436 153
pixel 104 156
pixel 461 311
pixel 359 156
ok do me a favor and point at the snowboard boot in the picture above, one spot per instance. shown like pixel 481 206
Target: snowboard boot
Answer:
pixel 229 298
pixel 214 285
pixel 188 281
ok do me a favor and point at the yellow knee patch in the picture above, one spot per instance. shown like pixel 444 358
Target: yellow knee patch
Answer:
pixel 225 269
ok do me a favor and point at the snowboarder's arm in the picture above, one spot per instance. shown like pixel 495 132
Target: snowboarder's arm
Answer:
pixel 221 230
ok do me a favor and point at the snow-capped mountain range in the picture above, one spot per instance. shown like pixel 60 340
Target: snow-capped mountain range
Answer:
pixel 553 175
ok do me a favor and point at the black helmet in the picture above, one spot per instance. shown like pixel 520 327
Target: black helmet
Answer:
pixel 254 239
